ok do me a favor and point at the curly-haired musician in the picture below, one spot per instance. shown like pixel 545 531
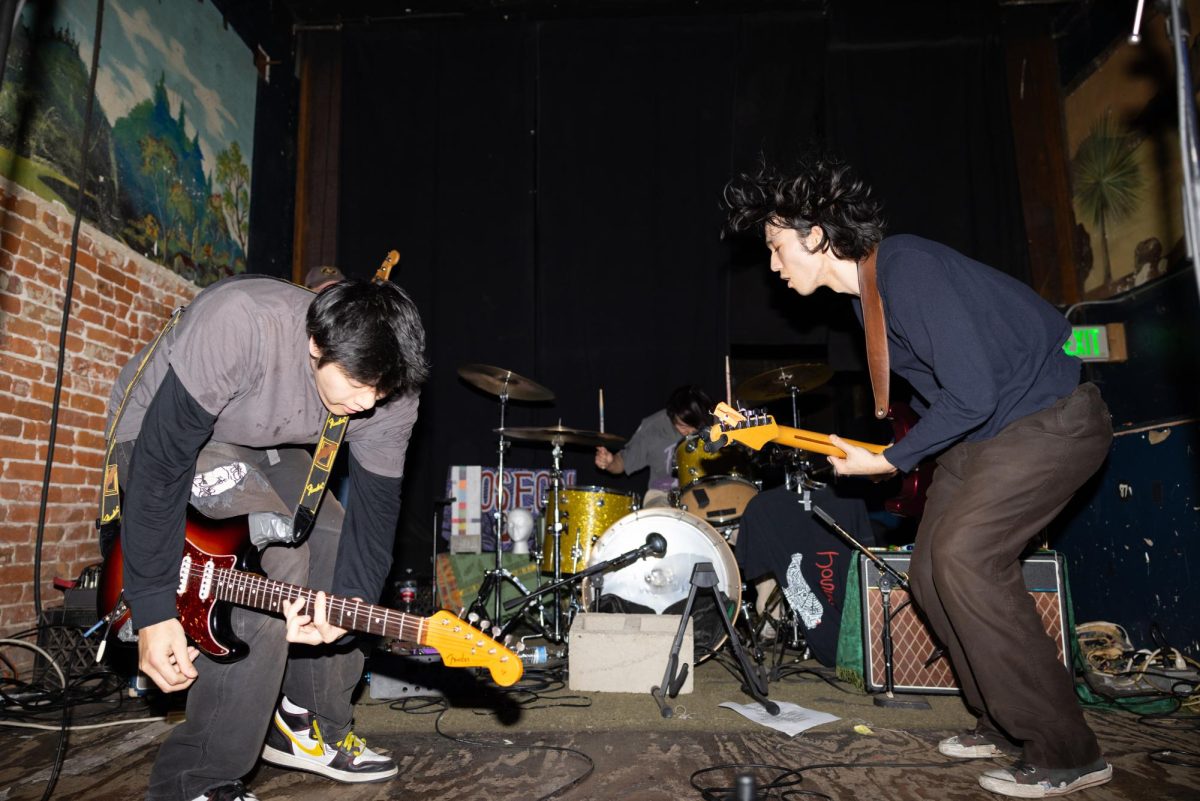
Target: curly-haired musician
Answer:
pixel 1017 436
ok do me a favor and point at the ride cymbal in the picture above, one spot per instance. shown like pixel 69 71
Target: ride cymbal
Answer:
pixel 779 382
pixel 500 382
pixel 562 435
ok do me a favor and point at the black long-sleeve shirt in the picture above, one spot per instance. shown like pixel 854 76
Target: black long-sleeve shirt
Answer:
pixel 981 348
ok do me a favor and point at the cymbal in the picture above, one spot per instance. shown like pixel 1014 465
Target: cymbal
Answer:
pixel 498 381
pixel 778 382
pixel 562 435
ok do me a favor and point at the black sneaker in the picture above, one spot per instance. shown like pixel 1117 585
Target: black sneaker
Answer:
pixel 294 741
pixel 1026 781
pixel 976 745
pixel 234 791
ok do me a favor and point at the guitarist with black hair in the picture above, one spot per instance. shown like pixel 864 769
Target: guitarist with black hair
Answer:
pixel 217 412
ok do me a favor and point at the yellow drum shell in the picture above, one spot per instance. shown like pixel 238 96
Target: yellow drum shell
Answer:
pixel 693 463
pixel 718 500
pixel 584 513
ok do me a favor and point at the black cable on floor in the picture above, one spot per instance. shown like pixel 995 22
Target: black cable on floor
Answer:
pixel 591 765
pixel 785 789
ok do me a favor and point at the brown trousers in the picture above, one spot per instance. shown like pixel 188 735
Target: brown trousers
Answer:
pixel 988 501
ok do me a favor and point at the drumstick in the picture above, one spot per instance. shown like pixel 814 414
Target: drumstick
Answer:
pixel 601 410
pixel 728 390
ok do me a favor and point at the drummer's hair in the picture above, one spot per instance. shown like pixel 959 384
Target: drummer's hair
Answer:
pixel 373 331
pixel 819 190
pixel 689 404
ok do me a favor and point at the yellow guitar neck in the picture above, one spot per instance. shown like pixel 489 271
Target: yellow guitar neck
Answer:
pixel 819 443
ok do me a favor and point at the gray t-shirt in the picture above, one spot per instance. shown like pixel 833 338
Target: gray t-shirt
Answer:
pixel 241 351
pixel 653 445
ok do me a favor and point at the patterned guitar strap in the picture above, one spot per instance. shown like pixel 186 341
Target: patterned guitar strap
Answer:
pixel 108 523
pixel 326 451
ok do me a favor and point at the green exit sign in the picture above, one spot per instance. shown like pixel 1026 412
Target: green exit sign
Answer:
pixel 1097 343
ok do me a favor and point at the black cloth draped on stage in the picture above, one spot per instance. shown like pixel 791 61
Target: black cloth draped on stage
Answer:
pixel 778 537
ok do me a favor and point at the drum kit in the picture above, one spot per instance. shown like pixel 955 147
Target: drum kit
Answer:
pixel 590 535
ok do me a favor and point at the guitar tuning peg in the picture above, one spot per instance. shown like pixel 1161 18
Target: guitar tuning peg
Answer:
pixel 517 646
pixel 496 631
pixel 483 625
pixel 462 613
pixel 472 618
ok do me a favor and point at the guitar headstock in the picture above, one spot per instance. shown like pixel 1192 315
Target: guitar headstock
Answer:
pixel 752 429
pixel 385 269
pixel 463 645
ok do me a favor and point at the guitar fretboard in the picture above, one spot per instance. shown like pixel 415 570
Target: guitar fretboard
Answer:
pixel 259 592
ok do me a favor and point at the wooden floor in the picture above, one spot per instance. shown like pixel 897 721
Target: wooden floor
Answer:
pixel 549 742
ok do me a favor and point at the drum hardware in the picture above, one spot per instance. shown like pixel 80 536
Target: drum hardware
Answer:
pixel 558 436
pixel 704 577
pixel 655 545
pixel 504 384
pixel 889 579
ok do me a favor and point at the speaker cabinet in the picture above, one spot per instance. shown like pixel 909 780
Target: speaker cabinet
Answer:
pixel 914 666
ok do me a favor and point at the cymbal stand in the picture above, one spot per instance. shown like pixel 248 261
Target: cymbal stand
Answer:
pixel 493 580
pixel 556 528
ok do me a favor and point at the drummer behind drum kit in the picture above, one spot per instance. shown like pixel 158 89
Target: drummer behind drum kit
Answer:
pixel 596 542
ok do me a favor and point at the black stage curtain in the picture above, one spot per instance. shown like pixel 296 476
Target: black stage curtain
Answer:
pixel 554 187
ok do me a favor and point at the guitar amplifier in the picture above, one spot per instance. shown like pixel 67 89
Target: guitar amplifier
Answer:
pixel 914 667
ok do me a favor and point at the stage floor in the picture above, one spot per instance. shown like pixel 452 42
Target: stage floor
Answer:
pixel 541 741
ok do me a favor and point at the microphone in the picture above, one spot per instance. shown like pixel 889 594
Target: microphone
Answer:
pixel 656 545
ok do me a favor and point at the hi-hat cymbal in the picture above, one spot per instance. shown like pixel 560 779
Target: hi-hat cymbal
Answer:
pixel 562 435
pixel 500 382
pixel 779 382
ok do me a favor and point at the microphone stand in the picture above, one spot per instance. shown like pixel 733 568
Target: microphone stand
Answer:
pixel 889 579
pixel 600 567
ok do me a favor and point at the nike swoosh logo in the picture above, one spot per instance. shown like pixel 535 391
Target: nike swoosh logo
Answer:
pixel 315 751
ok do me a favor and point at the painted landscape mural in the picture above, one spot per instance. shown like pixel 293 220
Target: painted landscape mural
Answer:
pixel 172 126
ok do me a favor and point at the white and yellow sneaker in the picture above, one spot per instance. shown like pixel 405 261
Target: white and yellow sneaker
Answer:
pixel 294 741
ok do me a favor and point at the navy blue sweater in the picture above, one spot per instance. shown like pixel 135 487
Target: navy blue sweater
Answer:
pixel 980 348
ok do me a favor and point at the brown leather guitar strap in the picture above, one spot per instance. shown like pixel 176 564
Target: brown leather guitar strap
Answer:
pixel 875 327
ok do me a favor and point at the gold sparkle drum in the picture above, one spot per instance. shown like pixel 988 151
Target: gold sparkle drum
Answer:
pixel 660 583
pixel 584 513
pixel 693 463
pixel 718 500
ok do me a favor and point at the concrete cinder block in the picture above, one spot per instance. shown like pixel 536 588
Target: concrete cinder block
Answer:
pixel 625 653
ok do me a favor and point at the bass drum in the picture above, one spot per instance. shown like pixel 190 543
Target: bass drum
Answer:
pixel 661 585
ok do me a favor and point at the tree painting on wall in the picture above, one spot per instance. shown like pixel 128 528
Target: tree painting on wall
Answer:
pixel 167 170
pixel 1123 142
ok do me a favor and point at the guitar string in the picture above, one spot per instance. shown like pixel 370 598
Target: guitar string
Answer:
pixel 238 581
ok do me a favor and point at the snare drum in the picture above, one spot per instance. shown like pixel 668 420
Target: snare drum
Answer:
pixel 584 513
pixel 718 500
pixel 659 583
pixel 693 463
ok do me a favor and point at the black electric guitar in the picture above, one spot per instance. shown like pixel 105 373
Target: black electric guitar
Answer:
pixel 210 581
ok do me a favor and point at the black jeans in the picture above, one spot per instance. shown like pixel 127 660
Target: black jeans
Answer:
pixel 987 502
pixel 230 705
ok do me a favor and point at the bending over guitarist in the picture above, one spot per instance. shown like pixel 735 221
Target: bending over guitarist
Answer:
pixel 1017 436
pixel 216 414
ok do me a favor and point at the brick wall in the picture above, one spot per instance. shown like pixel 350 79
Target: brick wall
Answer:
pixel 120 301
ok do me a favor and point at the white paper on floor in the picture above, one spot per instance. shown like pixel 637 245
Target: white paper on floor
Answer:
pixel 791 720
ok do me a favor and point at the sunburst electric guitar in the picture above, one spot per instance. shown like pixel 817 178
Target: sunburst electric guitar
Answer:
pixel 210 581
